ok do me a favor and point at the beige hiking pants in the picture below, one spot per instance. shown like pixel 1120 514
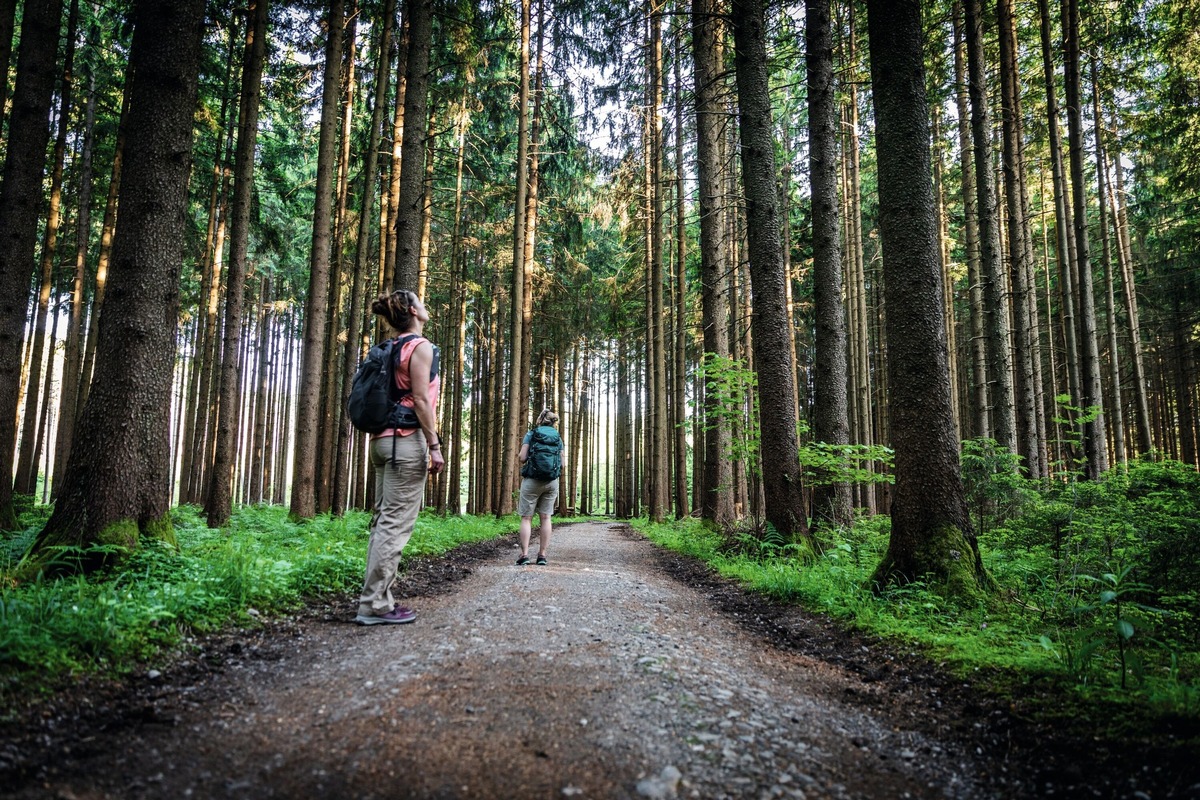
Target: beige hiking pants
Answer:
pixel 399 491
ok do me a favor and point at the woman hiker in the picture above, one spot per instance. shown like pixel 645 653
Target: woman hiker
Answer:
pixel 402 457
pixel 541 459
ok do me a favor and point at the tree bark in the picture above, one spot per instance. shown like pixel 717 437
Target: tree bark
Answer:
pixel 1094 440
pixel 1129 297
pixel 304 474
pixel 831 422
pixel 996 299
pixel 708 57
pixel 219 505
pixel 680 339
pixel 27 459
pixel 73 357
pixel 410 214
pixel 1117 411
pixel 931 531
pixel 20 204
pixel 355 346
pixel 780 461
pixel 116 488
pixel 1020 251
pixel 515 418
pixel 980 419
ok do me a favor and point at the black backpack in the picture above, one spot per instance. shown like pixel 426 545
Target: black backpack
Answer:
pixel 374 398
pixel 544 460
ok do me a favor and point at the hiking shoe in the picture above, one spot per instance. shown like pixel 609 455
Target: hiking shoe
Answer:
pixel 397 616
pixel 522 561
pixel 541 560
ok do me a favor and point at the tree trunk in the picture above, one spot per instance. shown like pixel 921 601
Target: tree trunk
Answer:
pixel 219 505
pixel 355 346
pixel 116 488
pixel 1117 411
pixel 931 531
pixel 1019 248
pixel 410 216
pixel 27 459
pixel 1062 215
pixel 708 57
pixel 1129 296
pixel 516 412
pixel 20 204
pixel 658 464
pixel 338 326
pixel 945 261
pixel 831 422
pixel 73 357
pixel 262 404
pixel 304 474
pixel 780 461
pixel 389 209
pixel 1095 444
pixel 680 416
pixel 197 434
pixel 999 336
pixel 1094 441
pixel 980 419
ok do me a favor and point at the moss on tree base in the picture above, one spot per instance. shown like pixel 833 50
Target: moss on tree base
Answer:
pixel 946 559
pixel 70 549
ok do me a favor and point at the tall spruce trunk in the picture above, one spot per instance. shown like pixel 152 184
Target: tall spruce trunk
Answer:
pixel 680 338
pixel 20 205
pixel 304 474
pixel 410 216
pixel 981 424
pixel 659 462
pixel 1116 410
pixel 831 423
pixel 116 489
pixel 1129 298
pixel 1019 252
pixel 355 346
pixel 1094 440
pixel 219 505
pixel 515 418
pixel 256 450
pixel 27 458
pixel 708 57
pixel 780 461
pixel 931 531
pixel 73 356
pixel 996 299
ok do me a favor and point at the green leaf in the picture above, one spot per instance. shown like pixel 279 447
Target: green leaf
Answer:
pixel 1125 628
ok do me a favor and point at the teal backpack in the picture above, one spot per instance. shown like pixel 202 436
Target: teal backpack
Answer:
pixel 544 461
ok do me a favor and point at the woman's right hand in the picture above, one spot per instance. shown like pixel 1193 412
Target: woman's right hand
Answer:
pixel 436 461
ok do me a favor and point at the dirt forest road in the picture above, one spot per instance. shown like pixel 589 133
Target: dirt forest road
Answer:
pixel 598 675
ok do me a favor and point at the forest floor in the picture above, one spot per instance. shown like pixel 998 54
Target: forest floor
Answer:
pixel 617 670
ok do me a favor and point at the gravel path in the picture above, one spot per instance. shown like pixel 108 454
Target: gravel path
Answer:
pixel 595 676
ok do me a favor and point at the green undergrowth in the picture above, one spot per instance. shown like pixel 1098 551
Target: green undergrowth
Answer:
pixel 1095 619
pixel 153 601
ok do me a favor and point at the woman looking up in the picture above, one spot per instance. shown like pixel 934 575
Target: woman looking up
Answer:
pixel 402 456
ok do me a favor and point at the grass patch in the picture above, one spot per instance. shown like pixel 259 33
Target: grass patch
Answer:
pixel 1091 623
pixel 115 621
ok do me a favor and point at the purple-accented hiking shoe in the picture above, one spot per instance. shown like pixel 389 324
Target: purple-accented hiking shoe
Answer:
pixel 397 616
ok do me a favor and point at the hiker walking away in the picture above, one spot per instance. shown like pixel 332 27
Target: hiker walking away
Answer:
pixel 541 459
pixel 403 454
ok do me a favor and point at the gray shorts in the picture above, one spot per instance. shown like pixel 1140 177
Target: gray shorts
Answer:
pixel 537 496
